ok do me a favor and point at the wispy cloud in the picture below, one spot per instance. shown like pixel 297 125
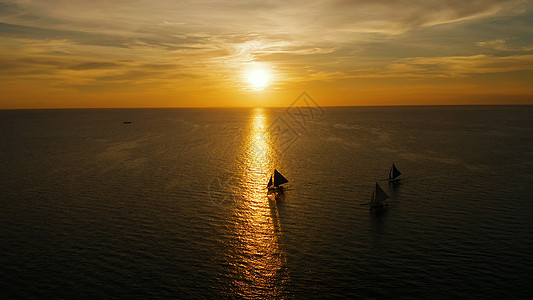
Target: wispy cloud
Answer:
pixel 31 32
pixel 94 66
pixel 450 66
pixel 503 45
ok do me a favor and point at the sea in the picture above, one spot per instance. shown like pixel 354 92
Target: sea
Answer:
pixel 172 203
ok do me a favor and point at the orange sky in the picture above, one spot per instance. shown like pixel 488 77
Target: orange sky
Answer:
pixel 59 54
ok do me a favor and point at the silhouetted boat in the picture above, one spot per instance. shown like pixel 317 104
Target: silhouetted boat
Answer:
pixel 393 174
pixel 126 122
pixel 377 198
pixel 275 182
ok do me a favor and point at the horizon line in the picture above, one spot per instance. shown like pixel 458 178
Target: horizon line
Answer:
pixel 233 107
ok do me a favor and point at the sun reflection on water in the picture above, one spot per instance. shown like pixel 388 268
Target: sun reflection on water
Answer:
pixel 259 263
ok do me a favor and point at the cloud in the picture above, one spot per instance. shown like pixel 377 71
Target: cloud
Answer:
pixel 294 18
pixel 130 75
pixel 78 71
pixel 94 66
pixel 30 32
pixel 394 17
pixel 7 8
pixel 453 66
pixel 197 25
pixel 503 45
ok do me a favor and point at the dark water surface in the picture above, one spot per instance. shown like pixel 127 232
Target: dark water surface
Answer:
pixel 174 204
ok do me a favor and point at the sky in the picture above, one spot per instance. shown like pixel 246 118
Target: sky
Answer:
pixel 162 53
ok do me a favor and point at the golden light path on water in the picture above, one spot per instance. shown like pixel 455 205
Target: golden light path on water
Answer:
pixel 260 263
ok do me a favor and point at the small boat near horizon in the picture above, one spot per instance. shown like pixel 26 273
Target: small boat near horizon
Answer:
pixel 275 183
pixel 377 198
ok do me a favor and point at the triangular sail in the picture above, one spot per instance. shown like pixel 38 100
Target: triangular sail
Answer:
pixel 279 179
pixel 380 194
pixel 394 172
pixel 270 182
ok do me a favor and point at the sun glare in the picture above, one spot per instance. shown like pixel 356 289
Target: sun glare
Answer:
pixel 258 78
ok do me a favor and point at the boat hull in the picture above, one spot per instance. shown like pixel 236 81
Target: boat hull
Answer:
pixel 394 181
pixel 379 205
pixel 278 189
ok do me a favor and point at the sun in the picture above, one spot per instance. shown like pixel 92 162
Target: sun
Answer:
pixel 258 78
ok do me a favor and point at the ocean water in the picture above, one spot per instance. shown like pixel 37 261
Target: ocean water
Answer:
pixel 174 204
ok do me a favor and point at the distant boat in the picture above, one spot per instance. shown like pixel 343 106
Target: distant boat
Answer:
pixel 275 182
pixel 126 122
pixel 377 198
pixel 393 174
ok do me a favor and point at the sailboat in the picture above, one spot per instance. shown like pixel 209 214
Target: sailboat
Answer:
pixel 378 196
pixel 393 174
pixel 275 182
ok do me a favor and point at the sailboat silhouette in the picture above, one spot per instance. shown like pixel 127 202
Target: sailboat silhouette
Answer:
pixel 276 181
pixel 393 174
pixel 377 198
